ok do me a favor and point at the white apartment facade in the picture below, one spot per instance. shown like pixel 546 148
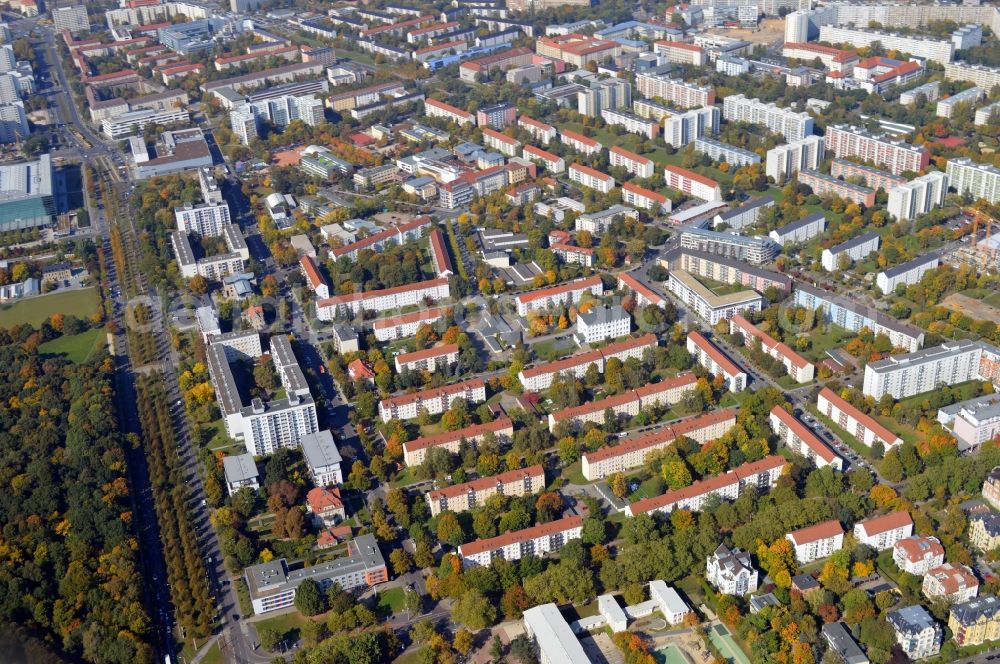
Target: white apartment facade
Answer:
pixel 882 532
pixel 709 306
pixel 797 366
pixel 385 299
pixel 793 125
pixel 977 180
pixel 512 546
pixel 556 296
pixel 415 451
pixel 951 363
pixel 589 177
pixel 635 164
pixel 855 249
pixel 468 495
pixel 908 273
pixel 918 196
pixel 865 429
pixel 716 362
pixel 406 325
pixel 632 452
pixel 435 401
pixel 783 161
pixel 816 542
pixel 685 128
pixel 800 439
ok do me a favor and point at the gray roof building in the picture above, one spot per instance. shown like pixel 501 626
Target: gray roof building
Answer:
pixel 843 644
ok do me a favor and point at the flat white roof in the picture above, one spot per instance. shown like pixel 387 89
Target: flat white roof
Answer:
pixel 555 639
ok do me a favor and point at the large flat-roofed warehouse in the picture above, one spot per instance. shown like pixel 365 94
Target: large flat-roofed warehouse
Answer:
pixel 26 199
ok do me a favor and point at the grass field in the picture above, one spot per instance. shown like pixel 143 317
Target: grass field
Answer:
pixel 76 348
pixel 214 655
pixel 81 303
pixel 391 600
pixel 284 623
pixel 824 340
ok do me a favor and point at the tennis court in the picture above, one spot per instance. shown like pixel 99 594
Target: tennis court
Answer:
pixel 671 655
pixel 723 640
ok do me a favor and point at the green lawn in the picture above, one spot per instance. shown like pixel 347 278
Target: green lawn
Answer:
pixel 214 655
pixel 823 340
pixel 574 473
pixel 554 349
pixel 81 303
pixel 76 348
pixel 284 623
pixel 391 600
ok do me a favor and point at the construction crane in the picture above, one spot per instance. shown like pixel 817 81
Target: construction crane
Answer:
pixel 986 254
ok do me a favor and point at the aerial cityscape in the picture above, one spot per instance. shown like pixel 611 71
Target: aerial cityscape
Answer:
pixel 527 331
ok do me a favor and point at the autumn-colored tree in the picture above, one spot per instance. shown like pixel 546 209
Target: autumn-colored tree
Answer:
pixel 618 485
pixel 882 495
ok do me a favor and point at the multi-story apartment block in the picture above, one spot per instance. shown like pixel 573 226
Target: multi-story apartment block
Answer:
pixel 834 59
pixel 644 296
pixel 681 53
pixel 816 542
pixel 626 404
pixel 602 323
pixel 385 299
pixel 536 379
pixel 496 116
pixel 930 91
pixel 552 163
pixel 439 109
pixel 692 183
pixel 800 439
pixel 679 93
pixel 272 585
pixel 951 583
pixel 468 495
pixel 512 546
pixel 984 530
pixel 405 325
pixel 799 231
pixel 205 219
pixel 643 198
pixel 478 69
pixel 873 177
pixel 579 142
pixel 592 178
pixel 896 156
pixel 543 133
pixel 918 196
pixel 247 119
pixel 407 232
pixel 991 489
pixel 977 180
pixel 731 572
pixel 650 109
pixel 631 452
pixel 322 458
pixel 562 295
pixel 753 250
pixel 726 270
pixel 435 400
pixel 917 633
pixel 863 427
pixel 853 316
pixel 921 47
pixel 572 254
pixel 882 532
pixel 500 142
pixel 430 359
pixel 784 161
pixel 854 249
pixel 760 475
pixel 907 273
pixel 798 367
pixel 793 125
pixel 576 49
pixel 635 164
pixel 982 76
pixel 314 279
pixel 684 128
pixel 975 621
pixel 987 114
pixel 710 356
pixel 972 422
pixel 951 363
pixel 706 304
pixel 918 554
pixel 823 184
pixel 732 155
pixel 415 451
pixel 632 123
pixel 947 106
